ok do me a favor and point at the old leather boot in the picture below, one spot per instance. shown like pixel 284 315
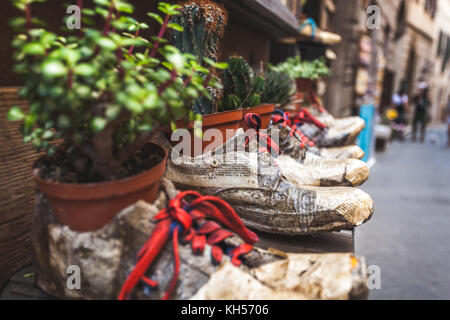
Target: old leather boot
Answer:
pixel 304 167
pixel 137 257
pixel 255 185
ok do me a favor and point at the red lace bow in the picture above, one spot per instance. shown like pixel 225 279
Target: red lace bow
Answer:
pixel 304 116
pixel 254 121
pixel 199 221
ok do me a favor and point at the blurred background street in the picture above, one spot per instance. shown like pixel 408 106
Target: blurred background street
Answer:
pixel 408 234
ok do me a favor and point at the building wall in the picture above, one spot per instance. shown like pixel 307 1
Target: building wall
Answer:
pixel 412 59
pixel 253 46
pixel 440 80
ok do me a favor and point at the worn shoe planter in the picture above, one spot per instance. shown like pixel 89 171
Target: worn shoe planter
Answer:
pixel 264 111
pixel 89 206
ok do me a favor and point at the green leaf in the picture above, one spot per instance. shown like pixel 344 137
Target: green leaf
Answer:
pixel 53 69
pixel 98 124
pixel 112 112
pixel 63 122
pixel 47 134
pixel 176 27
pixel 15 114
pixel 17 22
pixel 155 16
pixel 221 65
pixel 84 69
pixel 107 44
pixel 124 7
pixel 105 3
pixel 34 48
pixel 145 127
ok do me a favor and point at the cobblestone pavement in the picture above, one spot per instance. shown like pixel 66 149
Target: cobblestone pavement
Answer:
pixel 409 234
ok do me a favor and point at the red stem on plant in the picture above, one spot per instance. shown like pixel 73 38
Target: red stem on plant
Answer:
pixel 130 52
pixel 70 79
pixel 28 16
pixel 121 70
pixel 160 35
pixel 108 20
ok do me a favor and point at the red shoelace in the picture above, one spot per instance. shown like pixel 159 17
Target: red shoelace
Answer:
pixel 200 222
pixel 304 116
pixel 295 131
pixel 254 121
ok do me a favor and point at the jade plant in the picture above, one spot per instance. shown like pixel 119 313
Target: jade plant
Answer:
pixel 97 96
pixel 242 89
pixel 203 23
pixel 278 88
pixel 297 68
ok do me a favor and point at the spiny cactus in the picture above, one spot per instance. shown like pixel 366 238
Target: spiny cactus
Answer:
pixel 241 88
pixel 278 88
pixel 203 24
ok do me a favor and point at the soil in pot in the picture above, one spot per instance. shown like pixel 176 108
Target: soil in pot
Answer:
pixel 87 205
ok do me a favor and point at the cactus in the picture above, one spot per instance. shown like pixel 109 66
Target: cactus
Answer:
pixel 278 88
pixel 203 23
pixel 241 88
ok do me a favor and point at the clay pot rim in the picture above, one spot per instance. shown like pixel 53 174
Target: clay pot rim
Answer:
pixel 98 190
pixel 263 108
pixel 222 117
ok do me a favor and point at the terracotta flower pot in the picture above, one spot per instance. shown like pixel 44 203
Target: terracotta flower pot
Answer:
pixel 265 111
pixel 90 206
pixel 222 121
pixel 304 84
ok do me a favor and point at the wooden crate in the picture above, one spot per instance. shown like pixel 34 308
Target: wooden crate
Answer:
pixel 16 190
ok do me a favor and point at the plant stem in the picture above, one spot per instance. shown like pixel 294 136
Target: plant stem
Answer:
pixel 130 52
pixel 28 16
pixel 160 35
pixel 70 79
pixel 108 20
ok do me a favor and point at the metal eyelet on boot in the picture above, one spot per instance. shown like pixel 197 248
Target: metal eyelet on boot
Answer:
pixel 215 163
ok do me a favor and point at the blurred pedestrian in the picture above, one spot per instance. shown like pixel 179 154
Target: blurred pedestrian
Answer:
pixel 400 101
pixel 422 103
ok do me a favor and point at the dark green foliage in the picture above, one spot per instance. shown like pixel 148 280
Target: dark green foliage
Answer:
pixel 278 88
pixel 241 88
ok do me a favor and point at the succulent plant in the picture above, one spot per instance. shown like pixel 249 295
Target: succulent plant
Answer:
pixel 92 91
pixel 203 23
pixel 242 89
pixel 278 88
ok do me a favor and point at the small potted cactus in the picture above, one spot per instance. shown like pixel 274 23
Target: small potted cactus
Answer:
pixel 96 99
pixel 203 24
pixel 242 90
